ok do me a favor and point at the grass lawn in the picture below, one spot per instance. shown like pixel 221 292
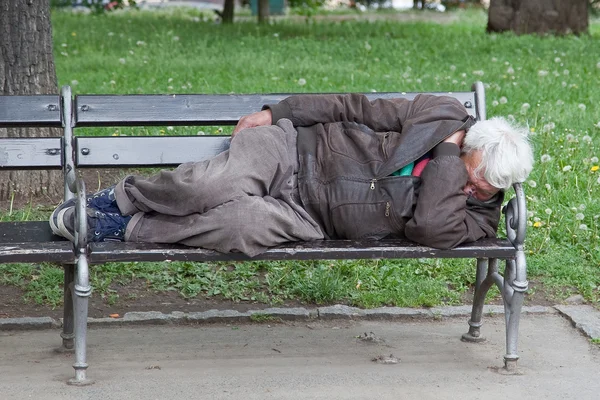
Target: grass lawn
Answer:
pixel 550 84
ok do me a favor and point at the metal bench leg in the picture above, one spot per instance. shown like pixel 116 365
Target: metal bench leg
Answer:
pixel 82 292
pixel 67 331
pixel 513 293
pixel 483 281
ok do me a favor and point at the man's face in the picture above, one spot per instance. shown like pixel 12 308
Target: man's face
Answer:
pixel 477 187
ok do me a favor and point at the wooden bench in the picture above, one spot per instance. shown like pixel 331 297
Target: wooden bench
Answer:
pixel 33 241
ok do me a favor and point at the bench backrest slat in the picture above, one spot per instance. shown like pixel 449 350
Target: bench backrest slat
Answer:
pixel 30 153
pixel 30 111
pixel 196 109
pixel 114 151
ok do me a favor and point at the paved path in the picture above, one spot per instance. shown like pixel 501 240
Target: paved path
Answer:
pixel 306 360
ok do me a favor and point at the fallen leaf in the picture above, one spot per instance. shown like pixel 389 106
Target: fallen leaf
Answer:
pixel 114 315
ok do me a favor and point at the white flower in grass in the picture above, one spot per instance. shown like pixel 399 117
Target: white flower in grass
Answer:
pixel 563 84
pixel 542 72
pixel 570 137
pixel 532 183
pixel 548 211
pixel 276 35
pixel 594 160
pixel 545 158
pixel 587 139
pixel 169 80
pixel 503 100
pixel 64 45
pixel 567 168
pixel 140 43
pixel 113 82
pixel 549 127
pixel 548 187
pixel 579 216
pixel 494 59
pixel 301 82
pixel 581 207
pixel 418 80
pixel 557 60
pixel 529 214
pixel 494 103
pixel 598 65
pixel 175 38
pixel 566 72
pixel 111 34
pixel 453 68
pixel 583 227
pixel 170 128
pixel 510 70
pixel 559 102
pixel 478 73
pixel 464 75
pixel 582 107
pixel 74 82
pixel 122 60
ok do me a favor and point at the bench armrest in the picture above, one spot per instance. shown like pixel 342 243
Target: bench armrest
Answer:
pixel 81 228
pixel 516 217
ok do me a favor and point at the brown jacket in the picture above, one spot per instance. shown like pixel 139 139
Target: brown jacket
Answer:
pixel 348 147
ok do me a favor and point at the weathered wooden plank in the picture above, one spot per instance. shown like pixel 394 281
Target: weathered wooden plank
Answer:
pixel 34 252
pixel 30 111
pixel 146 150
pixel 27 231
pixel 30 153
pixel 318 250
pixel 196 109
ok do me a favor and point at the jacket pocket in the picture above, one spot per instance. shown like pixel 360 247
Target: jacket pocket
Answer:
pixel 362 221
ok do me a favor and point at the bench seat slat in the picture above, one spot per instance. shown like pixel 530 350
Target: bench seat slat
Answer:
pixel 140 151
pixel 30 111
pixel 30 153
pixel 32 252
pixel 196 109
pixel 319 250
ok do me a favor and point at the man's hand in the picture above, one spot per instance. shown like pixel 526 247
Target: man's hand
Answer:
pixel 456 138
pixel 261 118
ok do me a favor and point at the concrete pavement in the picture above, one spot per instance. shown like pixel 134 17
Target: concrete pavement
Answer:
pixel 307 359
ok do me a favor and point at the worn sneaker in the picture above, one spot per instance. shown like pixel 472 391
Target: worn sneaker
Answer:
pixel 103 200
pixel 102 227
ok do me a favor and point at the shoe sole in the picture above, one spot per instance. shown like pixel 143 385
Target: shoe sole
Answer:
pixel 59 228
pixel 54 216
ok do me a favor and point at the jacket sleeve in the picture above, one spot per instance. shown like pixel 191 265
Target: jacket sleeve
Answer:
pixel 380 115
pixel 442 217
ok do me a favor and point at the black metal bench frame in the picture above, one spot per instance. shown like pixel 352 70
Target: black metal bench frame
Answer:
pixel 32 241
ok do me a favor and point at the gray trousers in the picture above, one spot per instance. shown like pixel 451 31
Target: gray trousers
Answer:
pixel 244 199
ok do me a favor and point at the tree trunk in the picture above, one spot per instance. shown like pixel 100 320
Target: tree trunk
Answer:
pixel 27 67
pixel 263 11
pixel 228 8
pixel 538 16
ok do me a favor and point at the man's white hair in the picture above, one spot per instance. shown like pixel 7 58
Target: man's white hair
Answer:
pixel 506 154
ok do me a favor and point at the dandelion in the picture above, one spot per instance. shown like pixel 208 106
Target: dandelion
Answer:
pixel 548 211
pixel 559 102
pixel 537 224
pixel 594 168
pixel 532 183
pixel 478 73
pixel 583 227
pixel 175 38
pixel 358 283
pixel 276 35
pixel 570 137
pixel 113 82
pixel 549 127
pixel 566 72
pixel 510 70
pixel 301 82
pixel 581 207
pixel 567 168
pixel 542 73
pixel 494 59
pixel 536 219
pixel 495 104
pixel 111 34
pixel 548 187
pixel 453 68
pixel 64 45
pixel 579 216
pixel 64 53
pixel 545 158
pixel 529 214
pixel 74 82
pixel 201 133
pixel 524 108
pixel 582 107
pixel 563 84
pixel 557 60
pixel 140 43
pixel 594 159
pixel 73 34
pixel 170 128
pixel 597 125
pixel 503 100
pixel 122 60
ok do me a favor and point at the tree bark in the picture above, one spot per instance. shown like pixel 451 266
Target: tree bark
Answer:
pixel 228 8
pixel 538 16
pixel 263 11
pixel 27 67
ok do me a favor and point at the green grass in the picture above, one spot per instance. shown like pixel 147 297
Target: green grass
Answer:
pixel 549 84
